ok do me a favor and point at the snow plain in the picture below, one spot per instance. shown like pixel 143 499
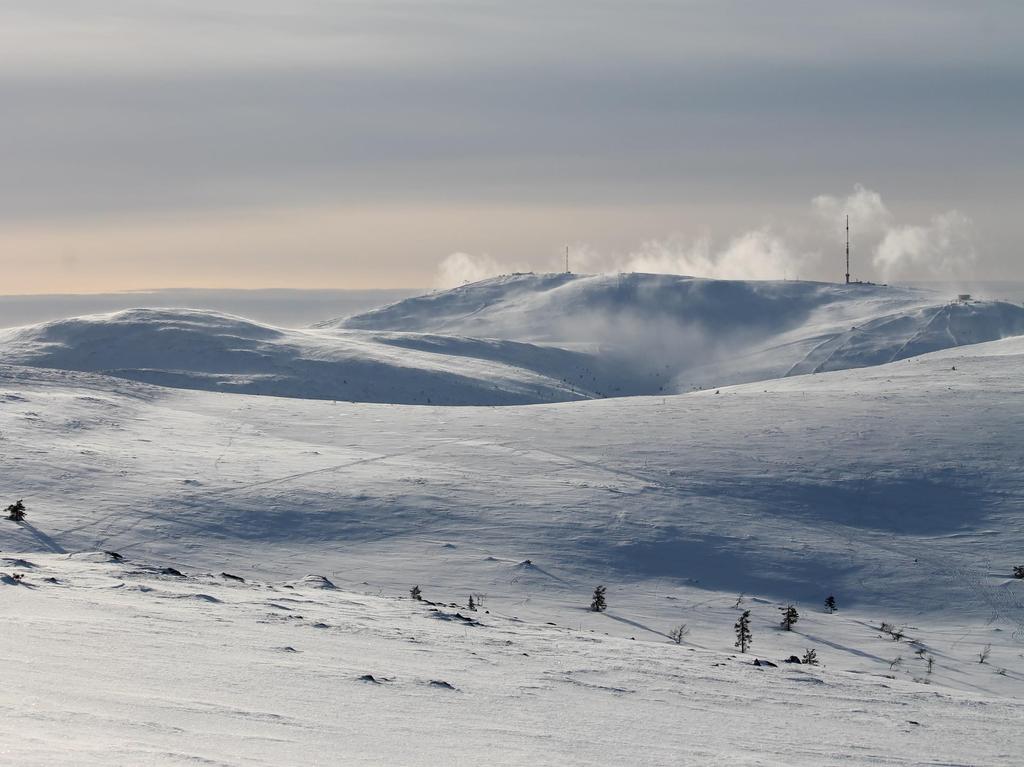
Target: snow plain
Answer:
pixel 895 487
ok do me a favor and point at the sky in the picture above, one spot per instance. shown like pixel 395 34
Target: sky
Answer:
pixel 410 144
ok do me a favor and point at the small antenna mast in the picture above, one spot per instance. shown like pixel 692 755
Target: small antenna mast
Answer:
pixel 566 259
pixel 847 249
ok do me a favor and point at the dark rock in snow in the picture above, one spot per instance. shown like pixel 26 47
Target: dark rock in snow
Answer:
pixel 22 563
pixel 317 582
pixel 231 577
pixel 114 555
pixel 434 613
pixel 173 571
pixel 442 684
pixel 759 662
pixel 792 659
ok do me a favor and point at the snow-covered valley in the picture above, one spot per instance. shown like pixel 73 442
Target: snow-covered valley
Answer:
pixel 896 487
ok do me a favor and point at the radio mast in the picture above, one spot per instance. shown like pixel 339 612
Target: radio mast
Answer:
pixel 847 250
pixel 566 259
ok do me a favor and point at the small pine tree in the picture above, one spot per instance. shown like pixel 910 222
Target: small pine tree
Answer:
pixel 598 604
pixel 810 657
pixel 16 511
pixel 830 603
pixel 789 617
pixel 743 636
pixel 679 633
pixel 472 604
pixel 416 594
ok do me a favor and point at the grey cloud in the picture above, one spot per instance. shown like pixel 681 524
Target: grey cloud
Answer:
pixel 109 144
pixel 115 108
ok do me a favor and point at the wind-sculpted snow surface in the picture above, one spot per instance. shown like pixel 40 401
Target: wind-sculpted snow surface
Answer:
pixel 680 333
pixel 878 483
pixel 205 350
pixel 257 611
pixel 525 339
pixel 585 308
pixel 114 663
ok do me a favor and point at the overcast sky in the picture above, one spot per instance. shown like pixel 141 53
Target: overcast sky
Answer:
pixel 347 144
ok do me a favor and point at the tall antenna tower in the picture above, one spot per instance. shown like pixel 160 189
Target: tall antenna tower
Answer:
pixel 566 259
pixel 847 250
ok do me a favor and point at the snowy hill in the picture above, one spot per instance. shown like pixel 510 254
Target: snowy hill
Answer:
pixel 570 308
pixel 877 482
pixel 925 456
pixel 211 351
pixel 703 332
pixel 525 339
pixel 897 488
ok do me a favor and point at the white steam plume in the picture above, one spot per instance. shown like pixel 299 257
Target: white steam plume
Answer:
pixel 459 268
pixel 755 255
pixel 868 214
pixel 943 247
pixel 940 249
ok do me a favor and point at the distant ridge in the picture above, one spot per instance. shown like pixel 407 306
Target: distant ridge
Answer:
pixel 525 339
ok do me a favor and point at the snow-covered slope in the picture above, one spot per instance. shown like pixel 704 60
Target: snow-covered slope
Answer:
pixel 525 339
pixel 116 663
pixel 704 332
pixel 567 308
pixel 207 350
pixel 897 488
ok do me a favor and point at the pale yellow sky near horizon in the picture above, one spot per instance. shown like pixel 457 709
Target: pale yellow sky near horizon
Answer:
pixel 344 247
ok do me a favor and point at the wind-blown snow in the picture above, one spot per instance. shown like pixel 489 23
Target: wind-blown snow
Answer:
pixel 526 339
